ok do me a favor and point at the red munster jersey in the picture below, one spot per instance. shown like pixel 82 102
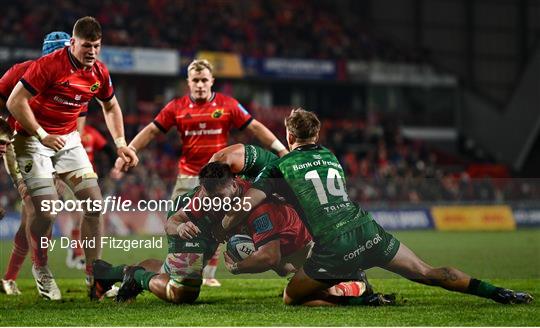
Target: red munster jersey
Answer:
pixel 271 221
pixel 8 81
pixel 204 127
pixel 62 88
pixel 92 141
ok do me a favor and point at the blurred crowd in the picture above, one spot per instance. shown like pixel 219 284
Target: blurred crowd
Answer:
pixel 260 28
pixel 383 168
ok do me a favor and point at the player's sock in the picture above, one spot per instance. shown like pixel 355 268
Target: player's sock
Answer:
pixel 143 277
pixel 209 271
pixel 20 249
pixel 115 273
pixel 76 235
pixel 39 255
pixel 481 288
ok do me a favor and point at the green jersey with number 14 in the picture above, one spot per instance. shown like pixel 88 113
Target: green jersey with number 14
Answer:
pixel 312 180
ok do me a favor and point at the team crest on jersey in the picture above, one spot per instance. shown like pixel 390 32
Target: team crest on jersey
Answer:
pixel 262 224
pixel 217 113
pixel 94 87
pixel 28 166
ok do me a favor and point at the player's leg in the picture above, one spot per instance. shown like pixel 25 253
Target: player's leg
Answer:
pixel 75 169
pixel 177 281
pixel 407 264
pixel 18 254
pixel 106 275
pixel 75 255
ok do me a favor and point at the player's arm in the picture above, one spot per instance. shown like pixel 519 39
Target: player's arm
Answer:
pixel 141 140
pixel 81 121
pixel 233 156
pixel 266 257
pixel 20 109
pixel 252 198
pixel 266 137
pixel 180 224
pixel 115 124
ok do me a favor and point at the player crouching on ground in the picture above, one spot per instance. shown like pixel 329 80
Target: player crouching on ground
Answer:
pixel 282 242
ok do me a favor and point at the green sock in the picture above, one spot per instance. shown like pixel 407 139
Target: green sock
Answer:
pixel 115 274
pixel 481 288
pixel 143 277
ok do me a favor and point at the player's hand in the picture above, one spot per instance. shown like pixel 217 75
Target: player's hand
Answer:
pixel 116 173
pixel 128 155
pixel 188 230
pixel 53 141
pixel 286 269
pixel 229 262
pixel 219 233
pixel 2 213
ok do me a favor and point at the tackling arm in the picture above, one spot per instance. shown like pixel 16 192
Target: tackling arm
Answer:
pixel 232 156
pixel 252 199
pixel 266 137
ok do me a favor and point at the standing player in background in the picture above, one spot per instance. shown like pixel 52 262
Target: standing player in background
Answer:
pixel 347 238
pixel 6 136
pixel 52 42
pixel 46 104
pixel 203 119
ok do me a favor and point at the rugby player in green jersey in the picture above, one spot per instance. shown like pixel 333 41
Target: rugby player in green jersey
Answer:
pixel 347 238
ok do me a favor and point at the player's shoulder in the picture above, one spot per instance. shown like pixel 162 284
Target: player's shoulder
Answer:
pixel 222 99
pixel 17 70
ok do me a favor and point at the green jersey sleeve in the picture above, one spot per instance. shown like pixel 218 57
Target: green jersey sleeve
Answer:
pixel 255 159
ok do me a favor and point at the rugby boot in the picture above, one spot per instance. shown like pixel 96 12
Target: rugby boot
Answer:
pixel 129 288
pixel 45 283
pixel 508 296
pixel 10 287
pixel 100 286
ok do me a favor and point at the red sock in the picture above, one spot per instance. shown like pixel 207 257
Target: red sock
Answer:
pixel 214 260
pixel 39 255
pixel 20 249
pixel 76 235
pixel 89 270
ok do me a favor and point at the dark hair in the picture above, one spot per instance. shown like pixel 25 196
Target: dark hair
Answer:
pixel 304 125
pixel 87 28
pixel 215 175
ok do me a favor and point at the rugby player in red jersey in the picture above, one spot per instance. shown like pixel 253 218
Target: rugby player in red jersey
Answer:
pixel 203 119
pixel 52 42
pixel 46 104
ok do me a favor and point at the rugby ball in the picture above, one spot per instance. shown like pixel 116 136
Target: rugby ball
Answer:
pixel 239 247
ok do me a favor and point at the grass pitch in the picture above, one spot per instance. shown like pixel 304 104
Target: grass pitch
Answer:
pixel 509 259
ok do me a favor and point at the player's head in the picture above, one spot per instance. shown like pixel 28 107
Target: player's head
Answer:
pixel 6 134
pixel 86 40
pixel 200 79
pixel 217 180
pixel 54 41
pixel 302 127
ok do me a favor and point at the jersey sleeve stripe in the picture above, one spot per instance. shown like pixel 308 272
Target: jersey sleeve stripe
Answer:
pixel 3 97
pixel 107 98
pixel 29 87
pixel 160 127
pixel 83 114
pixel 246 124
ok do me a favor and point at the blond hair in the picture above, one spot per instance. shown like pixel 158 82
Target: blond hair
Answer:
pixel 199 65
pixel 303 124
